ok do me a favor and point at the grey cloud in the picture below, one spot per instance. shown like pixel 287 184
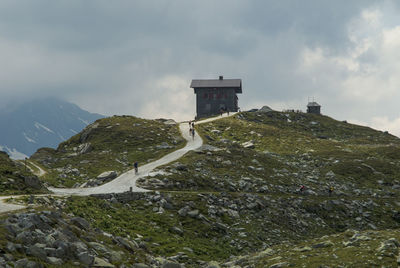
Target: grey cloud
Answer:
pixel 105 55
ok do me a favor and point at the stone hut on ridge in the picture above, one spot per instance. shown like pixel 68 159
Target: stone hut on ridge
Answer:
pixel 214 95
pixel 313 108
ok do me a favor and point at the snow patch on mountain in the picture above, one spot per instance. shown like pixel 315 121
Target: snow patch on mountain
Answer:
pixel 39 126
pixel 83 121
pixel 61 137
pixel 28 139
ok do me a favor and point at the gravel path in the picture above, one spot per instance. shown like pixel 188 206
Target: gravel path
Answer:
pixel 128 179
pixel 5 207
pixel 39 173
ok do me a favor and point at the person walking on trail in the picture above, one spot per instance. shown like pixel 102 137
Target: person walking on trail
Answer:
pixel 135 165
pixel 302 188
pixel 193 133
pixel 330 190
pixel 193 125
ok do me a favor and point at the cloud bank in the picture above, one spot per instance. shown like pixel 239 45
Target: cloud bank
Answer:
pixel 138 57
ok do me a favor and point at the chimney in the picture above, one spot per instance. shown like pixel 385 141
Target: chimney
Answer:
pixel 221 77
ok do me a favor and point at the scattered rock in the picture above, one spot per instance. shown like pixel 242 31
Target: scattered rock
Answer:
pixel 107 175
pixel 248 144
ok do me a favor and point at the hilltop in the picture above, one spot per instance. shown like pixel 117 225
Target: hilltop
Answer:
pixel 108 145
pixel 236 200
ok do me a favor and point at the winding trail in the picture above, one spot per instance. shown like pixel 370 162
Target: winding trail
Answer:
pixel 128 179
pixel 40 171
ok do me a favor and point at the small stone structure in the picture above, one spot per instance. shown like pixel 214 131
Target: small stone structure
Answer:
pixel 313 108
pixel 216 95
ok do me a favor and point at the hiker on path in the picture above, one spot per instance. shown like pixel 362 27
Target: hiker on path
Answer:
pixel 330 190
pixel 135 165
pixel 193 125
pixel 193 133
pixel 302 188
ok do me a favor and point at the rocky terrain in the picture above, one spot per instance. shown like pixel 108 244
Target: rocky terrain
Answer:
pixel 235 202
pixel 106 148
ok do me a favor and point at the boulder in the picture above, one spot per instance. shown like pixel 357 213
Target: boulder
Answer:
pixel 54 261
pixel 85 258
pixel 81 223
pixel 98 262
pixel 184 211
pixel 99 248
pixel 193 213
pixel 127 244
pixel 248 144
pixel 37 251
pixel 25 263
pixel 324 244
pixel 107 175
pixel 33 181
pixel 164 145
pixel 85 148
pixel 176 230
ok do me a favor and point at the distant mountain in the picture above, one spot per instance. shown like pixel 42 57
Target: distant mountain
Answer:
pixel 41 123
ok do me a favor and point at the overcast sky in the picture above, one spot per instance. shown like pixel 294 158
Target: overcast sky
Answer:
pixel 139 57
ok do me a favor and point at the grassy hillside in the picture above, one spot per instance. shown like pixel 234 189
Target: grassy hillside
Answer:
pixel 15 179
pixel 258 161
pixel 109 144
pixel 286 150
pixel 237 201
pixel 348 249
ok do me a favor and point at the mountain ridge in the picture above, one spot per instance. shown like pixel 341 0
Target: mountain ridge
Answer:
pixel 41 123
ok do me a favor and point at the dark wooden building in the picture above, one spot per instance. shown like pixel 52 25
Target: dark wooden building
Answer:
pixel 313 108
pixel 214 95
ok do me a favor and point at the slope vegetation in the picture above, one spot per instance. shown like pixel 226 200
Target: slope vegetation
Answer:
pixel 237 199
pixel 16 179
pixel 109 144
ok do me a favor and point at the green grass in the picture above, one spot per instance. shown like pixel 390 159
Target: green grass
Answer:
pixel 139 219
pixel 291 152
pixel 116 142
pixel 12 177
pixel 338 255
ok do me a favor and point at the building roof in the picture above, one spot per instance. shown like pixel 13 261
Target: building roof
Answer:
pixel 214 83
pixel 313 104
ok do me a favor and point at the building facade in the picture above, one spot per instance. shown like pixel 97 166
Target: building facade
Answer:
pixel 216 95
pixel 313 108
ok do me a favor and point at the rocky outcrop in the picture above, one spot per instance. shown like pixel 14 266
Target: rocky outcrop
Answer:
pixel 54 239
